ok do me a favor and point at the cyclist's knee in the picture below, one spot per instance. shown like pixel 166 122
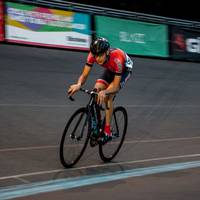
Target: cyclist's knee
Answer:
pixel 99 86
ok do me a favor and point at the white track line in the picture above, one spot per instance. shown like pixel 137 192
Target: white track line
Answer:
pixel 29 148
pixel 163 140
pixel 97 166
pixel 125 142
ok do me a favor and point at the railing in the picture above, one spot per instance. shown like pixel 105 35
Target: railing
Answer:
pixel 62 4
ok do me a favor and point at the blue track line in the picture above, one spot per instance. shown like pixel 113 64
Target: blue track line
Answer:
pixel 69 183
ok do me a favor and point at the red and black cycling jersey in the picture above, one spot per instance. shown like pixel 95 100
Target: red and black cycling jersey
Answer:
pixel 115 62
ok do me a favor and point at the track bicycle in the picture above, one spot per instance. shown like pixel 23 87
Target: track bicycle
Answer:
pixel 86 126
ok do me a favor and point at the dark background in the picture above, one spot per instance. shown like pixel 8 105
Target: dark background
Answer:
pixel 187 10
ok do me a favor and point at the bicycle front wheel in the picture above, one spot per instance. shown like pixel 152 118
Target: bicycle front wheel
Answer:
pixel 119 126
pixel 75 138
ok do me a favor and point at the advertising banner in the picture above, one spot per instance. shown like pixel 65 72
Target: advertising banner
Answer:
pixel 185 44
pixel 47 27
pixel 1 22
pixel 134 37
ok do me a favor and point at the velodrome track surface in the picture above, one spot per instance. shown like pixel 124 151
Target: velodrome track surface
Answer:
pixel 163 104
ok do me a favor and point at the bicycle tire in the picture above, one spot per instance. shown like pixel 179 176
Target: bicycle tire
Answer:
pixel 119 126
pixel 77 136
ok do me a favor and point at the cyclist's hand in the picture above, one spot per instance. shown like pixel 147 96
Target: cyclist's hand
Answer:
pixel 73 88
pixel 101 97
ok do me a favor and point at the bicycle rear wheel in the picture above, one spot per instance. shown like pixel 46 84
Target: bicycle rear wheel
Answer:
pixel 75 138
pixel 119 126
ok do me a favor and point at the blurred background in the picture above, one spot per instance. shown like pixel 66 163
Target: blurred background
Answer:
pixel 158 29
pixel 175 9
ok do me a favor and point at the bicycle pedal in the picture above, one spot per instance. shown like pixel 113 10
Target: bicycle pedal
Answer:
pixel 104 140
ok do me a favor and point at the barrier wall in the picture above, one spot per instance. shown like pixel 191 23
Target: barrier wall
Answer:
pixel 47 27
pixel 1 21
pixel 135 37
pixel 185 44
pixel 37 25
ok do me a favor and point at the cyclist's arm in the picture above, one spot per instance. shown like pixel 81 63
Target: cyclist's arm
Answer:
pixel 83 77
pixel 114 85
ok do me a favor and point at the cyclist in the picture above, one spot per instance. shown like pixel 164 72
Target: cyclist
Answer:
pixel 118 69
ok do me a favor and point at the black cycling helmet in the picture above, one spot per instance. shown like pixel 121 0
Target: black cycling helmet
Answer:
pixel 99 45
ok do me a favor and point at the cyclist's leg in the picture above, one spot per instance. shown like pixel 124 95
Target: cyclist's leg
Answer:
pixel 125 77
pixel 109 112
pixel 99 85
pixel 102 83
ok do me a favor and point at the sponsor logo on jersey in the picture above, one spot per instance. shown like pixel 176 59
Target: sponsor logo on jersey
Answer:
pixel 119 64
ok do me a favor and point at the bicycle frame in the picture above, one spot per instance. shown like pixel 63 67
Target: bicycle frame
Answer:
pixel 93 109
pixel 79 130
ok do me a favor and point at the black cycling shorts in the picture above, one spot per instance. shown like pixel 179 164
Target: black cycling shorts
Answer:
pixel 108 76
